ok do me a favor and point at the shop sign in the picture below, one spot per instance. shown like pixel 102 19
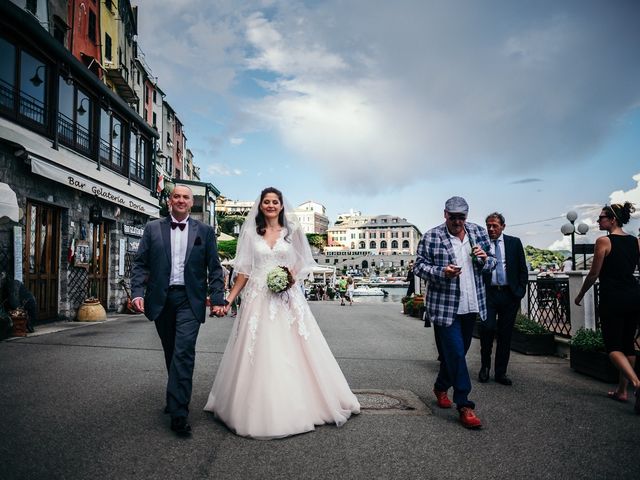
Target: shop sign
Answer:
pixel 87 185
pixel 17 252
pixel 121 253
pixel 133 230
pixel 133 246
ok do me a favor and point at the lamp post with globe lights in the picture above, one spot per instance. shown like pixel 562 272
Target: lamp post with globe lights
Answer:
pixel 571 229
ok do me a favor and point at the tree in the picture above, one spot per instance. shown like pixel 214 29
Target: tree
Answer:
pixel 227 248
pixel 227 223
pixel 540 258
pixel 317 240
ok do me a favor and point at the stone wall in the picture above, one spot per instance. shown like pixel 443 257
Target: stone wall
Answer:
pixel 74 210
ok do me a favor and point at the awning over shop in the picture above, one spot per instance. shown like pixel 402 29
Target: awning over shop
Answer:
pixel 80 182
pixel 8 204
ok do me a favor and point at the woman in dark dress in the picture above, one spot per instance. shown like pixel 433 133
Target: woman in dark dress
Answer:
pixel 615 260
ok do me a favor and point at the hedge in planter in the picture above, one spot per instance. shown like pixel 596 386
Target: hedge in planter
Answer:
pixel 588 356
pixel 531 338
pixel 407 305
pixel 417 306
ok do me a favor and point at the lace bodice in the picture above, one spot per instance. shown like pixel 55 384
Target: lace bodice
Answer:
pixel 289 306
pixel 266 258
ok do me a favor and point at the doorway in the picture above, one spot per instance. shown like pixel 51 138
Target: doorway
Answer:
pixel 98 274
pixel 42 252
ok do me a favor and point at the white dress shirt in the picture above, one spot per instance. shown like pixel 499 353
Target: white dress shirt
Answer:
pixel 468 298
pixel 178 252
pixel 500 244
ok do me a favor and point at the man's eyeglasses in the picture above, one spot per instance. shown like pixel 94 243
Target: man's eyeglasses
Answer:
pixel 456 216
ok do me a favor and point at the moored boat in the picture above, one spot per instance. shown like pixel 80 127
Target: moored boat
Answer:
pixel 367 291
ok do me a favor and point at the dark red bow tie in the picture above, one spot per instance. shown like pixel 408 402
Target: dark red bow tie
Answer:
pixel 178 224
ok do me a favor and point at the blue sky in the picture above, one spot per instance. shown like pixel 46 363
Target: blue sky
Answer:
pixel 528 108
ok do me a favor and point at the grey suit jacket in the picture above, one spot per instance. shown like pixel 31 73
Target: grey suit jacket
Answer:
pixel 151 268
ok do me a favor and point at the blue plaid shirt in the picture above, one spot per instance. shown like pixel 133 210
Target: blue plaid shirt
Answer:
pixel 435 252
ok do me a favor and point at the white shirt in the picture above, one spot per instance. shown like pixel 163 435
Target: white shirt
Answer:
pixel 468 297
pixel 178 252
pixel 500 243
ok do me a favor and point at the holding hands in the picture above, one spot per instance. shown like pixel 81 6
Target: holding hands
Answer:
pixel 220 310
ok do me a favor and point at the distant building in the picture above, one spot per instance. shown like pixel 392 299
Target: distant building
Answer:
pixel 380 234
pixel 312 217
pixel 225 206
pixel 370 243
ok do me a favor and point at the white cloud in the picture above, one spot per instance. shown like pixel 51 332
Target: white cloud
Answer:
pixel 401 91
pixel 632 195
pixel 562 244
pixel 422 89
pixel 236 141
pixel 221 170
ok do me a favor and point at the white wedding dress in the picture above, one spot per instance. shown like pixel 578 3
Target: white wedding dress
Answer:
pixel 277 376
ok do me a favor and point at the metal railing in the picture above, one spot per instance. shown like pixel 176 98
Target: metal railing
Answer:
pixel 549 304
pixel 28 109
pixel 548 301
pixel 74 135
pixel 111 156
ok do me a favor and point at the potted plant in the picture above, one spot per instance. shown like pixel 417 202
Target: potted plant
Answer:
pixel 588 356
pixel 407 305
pixel 417 305
pixel 531 338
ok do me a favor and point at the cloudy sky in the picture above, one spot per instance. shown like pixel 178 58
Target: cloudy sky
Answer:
pixel 391 107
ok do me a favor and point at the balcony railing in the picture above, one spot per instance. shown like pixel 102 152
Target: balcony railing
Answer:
pixel 28 110
pixel 111 156
pixel 74 135
pixel 38 116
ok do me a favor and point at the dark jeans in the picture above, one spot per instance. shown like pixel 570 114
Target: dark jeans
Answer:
pixel 178 331
pixel 502 307
pixel 454 342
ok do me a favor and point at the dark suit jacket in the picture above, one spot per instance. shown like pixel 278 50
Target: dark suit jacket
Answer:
pixel 152 268
pixel 517 273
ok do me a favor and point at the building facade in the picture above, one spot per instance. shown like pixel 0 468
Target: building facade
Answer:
pixel 362 243
pixel 76 152
pixel 312 217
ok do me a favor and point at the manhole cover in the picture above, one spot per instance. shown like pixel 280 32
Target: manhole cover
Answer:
pixel 397 402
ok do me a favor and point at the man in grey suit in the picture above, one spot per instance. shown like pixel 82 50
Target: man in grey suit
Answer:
pixel 506 285
pixel 175 268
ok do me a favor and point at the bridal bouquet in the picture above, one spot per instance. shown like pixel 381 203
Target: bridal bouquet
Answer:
pixel 279 279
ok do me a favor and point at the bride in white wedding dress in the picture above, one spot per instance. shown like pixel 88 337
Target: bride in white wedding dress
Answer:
pixel 277 376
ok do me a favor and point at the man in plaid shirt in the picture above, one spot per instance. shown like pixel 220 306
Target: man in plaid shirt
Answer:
pixel 452 259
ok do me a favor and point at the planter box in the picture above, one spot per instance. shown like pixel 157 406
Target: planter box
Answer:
pixel 594 364
pixel 533 343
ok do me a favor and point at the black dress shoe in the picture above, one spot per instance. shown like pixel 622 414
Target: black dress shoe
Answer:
pixel 180 426
pixel 504 380
pixel 483 375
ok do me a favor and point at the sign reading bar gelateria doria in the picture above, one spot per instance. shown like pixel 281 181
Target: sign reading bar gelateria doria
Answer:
pixel 87 185
pixel 132 230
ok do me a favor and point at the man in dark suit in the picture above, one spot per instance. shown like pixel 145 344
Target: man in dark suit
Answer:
pixel 506 286
pixel 175 268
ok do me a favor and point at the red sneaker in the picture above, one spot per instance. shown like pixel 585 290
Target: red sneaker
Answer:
pixel 442 399
pixel 468 418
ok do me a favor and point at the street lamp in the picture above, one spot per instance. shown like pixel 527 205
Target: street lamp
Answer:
pixel 571 229
pixel 36 80
pixel 114 132
pixel 81 110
